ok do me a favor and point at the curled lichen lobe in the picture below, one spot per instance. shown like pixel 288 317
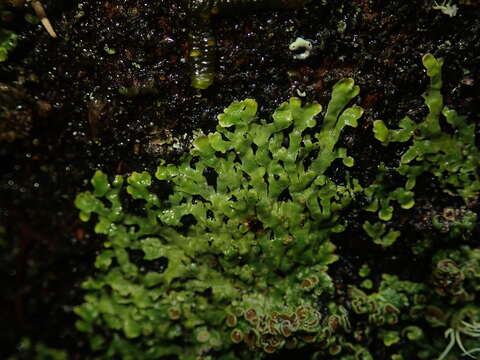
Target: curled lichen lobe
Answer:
pixel 250 264
pixel 234 257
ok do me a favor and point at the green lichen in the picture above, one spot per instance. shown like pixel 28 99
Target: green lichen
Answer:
pixel 386 305
pixel 238 253
pixel 37 351
pixel 382 197
pixel 408 311
pixel 378 232
pixel 456 274
pixel 455 222
pixel 452 157
pixel 8 41
pixel 227 254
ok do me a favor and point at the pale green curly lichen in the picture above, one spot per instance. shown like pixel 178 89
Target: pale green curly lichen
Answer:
pixel 409 312
pixel 455 222
pixel 382 197
pixel 385 306
pixel 453 158
pixel 227 254
pixel 378 232
pixel 456 273
pixel 244 239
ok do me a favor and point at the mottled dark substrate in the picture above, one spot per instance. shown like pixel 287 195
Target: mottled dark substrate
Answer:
pixel 80 122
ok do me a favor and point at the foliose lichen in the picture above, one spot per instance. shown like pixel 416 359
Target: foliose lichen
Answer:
pixel 238 253
pixel 452 157
pixel 227 254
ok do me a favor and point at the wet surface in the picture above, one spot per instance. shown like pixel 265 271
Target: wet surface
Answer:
pixel 113 92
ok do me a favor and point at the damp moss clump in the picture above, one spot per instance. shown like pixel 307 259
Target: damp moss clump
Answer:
pixel 237 253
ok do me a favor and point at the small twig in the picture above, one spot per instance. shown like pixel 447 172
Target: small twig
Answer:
pixel 40 12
